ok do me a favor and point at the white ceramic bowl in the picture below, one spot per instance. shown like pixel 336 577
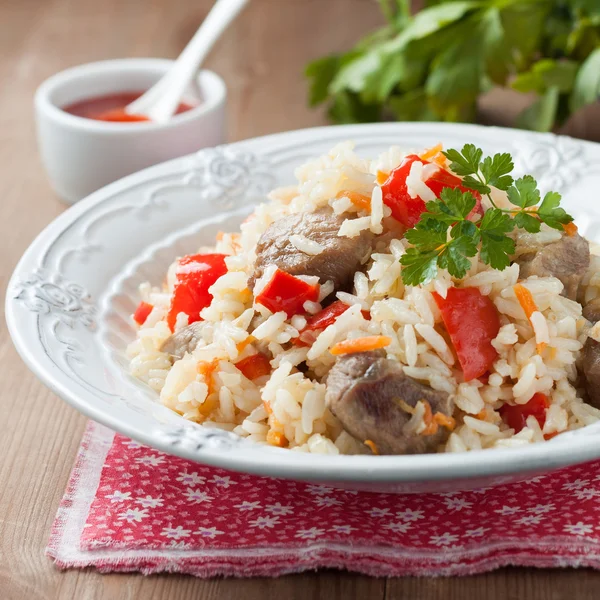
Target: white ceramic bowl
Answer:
pixel 82 155
pixel 70 299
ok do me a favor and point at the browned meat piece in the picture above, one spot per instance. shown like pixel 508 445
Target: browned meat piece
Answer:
pixel 590 365
pixel 339 261
pixel 182 341
pixel 591 371
pixel 591 311
pixel 566 259
pixel 365 390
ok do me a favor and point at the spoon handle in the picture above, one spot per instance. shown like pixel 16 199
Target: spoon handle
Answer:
pixel 160 102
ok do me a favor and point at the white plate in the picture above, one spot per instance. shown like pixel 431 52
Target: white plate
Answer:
pixel 70 296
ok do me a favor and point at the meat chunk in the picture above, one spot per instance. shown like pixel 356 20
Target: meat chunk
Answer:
pixel 591 311
pixel 591 371
pixel 365 390
pixel 182 341
pixel 566 259
pixel 590 364
pixel 340 259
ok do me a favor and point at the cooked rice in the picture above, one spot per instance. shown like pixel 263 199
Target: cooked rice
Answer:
pixel 289 404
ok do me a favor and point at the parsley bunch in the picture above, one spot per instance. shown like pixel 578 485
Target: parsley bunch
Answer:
pixel 434 65
pixel 448 234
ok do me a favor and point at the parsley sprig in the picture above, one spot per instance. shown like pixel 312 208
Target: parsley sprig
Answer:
pixel 449 233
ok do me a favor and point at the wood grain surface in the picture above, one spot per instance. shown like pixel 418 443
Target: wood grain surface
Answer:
pixel 261 58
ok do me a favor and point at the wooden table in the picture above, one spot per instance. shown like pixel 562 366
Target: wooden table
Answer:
pixel 261 58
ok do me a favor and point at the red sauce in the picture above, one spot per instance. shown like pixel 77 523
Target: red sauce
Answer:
pixel 111 108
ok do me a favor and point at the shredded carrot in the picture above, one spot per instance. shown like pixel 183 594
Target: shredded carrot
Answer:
pixel 276 438
pixel 431 427
pixel 481 415
pixel 373 447
pixel 570 229
pixel 525 299
pixel 240 347
pixel 431 152
pixel 206 370
pixel 359 200
pixel 529 306
pixel 382 177
pixel 445 421
pixel 440 160
pixel 549 436
pixel 267 407
pixel 552 353
pixel 246 295
pixel 432 422
pixel 371 342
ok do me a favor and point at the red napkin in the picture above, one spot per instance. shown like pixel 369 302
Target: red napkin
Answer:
pixel 132 508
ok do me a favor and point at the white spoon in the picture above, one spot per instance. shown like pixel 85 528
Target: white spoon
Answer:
pixel 160 102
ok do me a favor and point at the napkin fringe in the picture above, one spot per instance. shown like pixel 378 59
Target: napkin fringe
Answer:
pixel 265 559
pixel 282 565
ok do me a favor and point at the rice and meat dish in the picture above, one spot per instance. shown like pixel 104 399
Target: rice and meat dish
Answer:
pixel 407 304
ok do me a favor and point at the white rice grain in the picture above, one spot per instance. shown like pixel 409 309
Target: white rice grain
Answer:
pixel 410 345
pixel 305 245
pixel 482 427
pixel 436 341
pixel 522 390
pixel 540 327
pixel 352 228
pixel 376 210
pixel 415 185
pixel 270 326
pixel 468 399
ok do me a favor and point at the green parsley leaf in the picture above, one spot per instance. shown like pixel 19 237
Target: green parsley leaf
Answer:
pixel 419 267
pixel 438 211
pixel 348 108
pixel 496 251
pixel 454 257
pixel 465 228
pixel 587 83
pixel 541 115
pixel 456 76
pixel 458 204
pixel 461 163
pixel 476 185
pixel 524 192
pixel 428 234
pixel 551 213
pixel 496 247
pixel 527 222
pixel 472 154
pixel 496 170
pixel 321 73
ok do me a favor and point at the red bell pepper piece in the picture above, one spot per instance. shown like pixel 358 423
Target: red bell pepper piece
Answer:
pixel 195 274
pixel 408 210
pixel 472 322
pixel 516 416
pixel 284 292
pixel 254 366
pixel 141 312
pixel 323 319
